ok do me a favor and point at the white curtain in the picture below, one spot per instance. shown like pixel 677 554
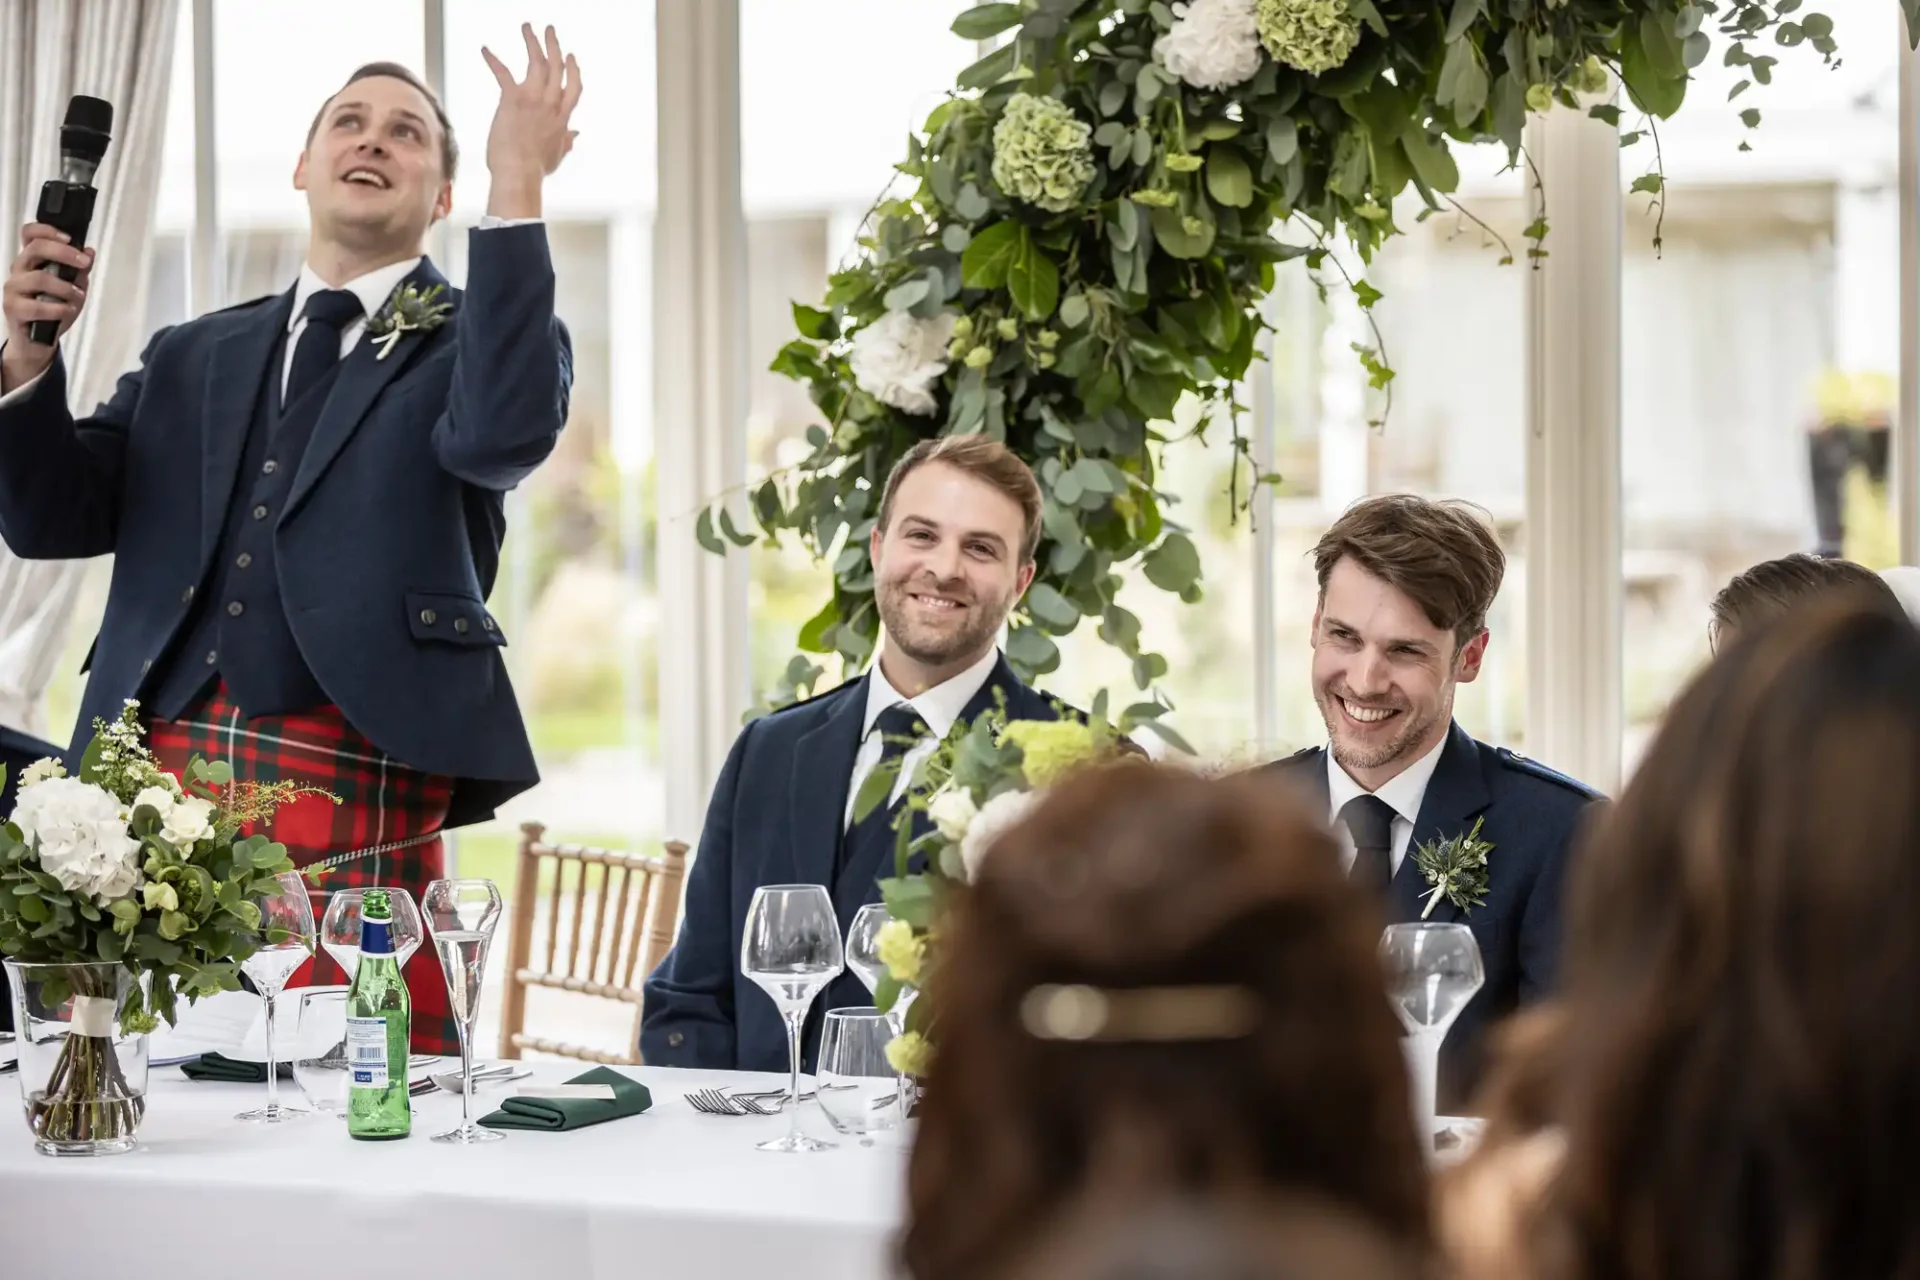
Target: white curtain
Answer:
pixel 122 51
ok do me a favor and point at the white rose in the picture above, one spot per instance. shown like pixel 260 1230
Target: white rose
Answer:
pixel 159 799
pixel 80 832
pixel 953 811
pixel 189 820
pixel 899 357
pixel 996 817
pixel 1213 43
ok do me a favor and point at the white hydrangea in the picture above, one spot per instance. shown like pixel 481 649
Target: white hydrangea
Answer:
pixel 996 817
pixel 953 811
pixel 1213 44
pixel 80 832
pixel 898 358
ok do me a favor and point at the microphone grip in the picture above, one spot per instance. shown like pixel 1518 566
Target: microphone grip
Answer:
pixel 66 207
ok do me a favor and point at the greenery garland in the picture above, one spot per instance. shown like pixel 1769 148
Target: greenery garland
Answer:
pixel 1093 220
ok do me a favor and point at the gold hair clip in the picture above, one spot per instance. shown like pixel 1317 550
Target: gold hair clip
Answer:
pixel 1078 1012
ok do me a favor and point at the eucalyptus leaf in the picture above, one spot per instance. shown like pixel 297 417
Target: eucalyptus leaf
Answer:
pixel 991 255
pixel 1049 607
pixel 1229 179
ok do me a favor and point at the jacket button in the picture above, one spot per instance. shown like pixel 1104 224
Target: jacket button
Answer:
pixel 235 609
pixel 429 617
pixel 269 467
pixel 260 512
pixel 213 656
pixel 242 560
pixel 675 1039
pixel 486 624
pixel 186 597
pixel 460 625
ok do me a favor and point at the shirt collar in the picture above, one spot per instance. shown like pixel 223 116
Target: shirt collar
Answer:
pixel 1403 792
pixel 939 706
pixel 373 289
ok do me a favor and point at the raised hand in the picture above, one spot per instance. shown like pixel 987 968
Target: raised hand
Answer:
pixel 20 299
pixel 530 134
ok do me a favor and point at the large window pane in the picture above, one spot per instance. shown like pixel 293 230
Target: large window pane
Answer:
pixel 1761 344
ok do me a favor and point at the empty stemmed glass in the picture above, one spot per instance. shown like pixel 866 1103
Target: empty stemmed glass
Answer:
pixel 1432 971
pixel 340 930
pixel 460 917
pixel 863 957
pixel 792 951
pixel 286 932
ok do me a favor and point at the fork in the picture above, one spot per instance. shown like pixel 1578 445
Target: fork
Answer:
pixel 715 1103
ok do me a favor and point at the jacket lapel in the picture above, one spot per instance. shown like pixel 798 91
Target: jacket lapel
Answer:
pixel 237 373
pixel 363 376
pixel 822 772
pixel 1456 792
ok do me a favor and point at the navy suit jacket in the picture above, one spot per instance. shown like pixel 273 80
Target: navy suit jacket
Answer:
pixel 776 817
pixel 1532 817
pixel 396 513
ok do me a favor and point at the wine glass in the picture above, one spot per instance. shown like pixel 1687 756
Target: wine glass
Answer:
pixel 863 944
pixel 792 951
pixel 856 1085
pixel 286 933
pixel 460 917
pixel 340 930
pixel 1432 971
pixel 320 1049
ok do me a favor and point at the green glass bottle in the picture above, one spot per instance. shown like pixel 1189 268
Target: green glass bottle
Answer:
pixel 379 1030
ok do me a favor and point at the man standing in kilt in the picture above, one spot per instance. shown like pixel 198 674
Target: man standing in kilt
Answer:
pixel 304 495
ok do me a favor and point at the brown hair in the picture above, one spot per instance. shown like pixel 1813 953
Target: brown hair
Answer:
pixel 1772 588
pixel 1144 882
pixel 986 460
pixel 1742 1041
pixel 1444 556
pixel 449 150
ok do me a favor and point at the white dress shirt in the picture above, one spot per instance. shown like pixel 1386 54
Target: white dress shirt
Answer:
pixel 939 706
pixel 1402 793
pixel 373 290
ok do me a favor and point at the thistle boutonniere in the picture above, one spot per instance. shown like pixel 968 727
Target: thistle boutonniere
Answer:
pixel 409 310
pixel 1456 868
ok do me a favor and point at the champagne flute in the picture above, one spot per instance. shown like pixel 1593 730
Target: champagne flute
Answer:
pixel 286 943
pixel 792 951
pixel 340 930
pixel 460 917
pixel 1432 971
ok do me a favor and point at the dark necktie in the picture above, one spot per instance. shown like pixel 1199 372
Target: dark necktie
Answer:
pixel 870 838
pixel 328 313
pixel 1370 821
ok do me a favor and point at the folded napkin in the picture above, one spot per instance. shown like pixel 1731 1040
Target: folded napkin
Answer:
pixel 219 1067
pixel 630 1098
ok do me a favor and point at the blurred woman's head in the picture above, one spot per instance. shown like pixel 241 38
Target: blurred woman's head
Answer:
pixel 1159 983
pixel 1740 1068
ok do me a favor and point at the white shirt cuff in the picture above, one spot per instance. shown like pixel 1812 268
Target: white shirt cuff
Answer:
pixel 20 392
pixel 488 222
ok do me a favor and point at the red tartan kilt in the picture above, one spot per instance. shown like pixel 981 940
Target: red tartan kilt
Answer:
pixel 381 801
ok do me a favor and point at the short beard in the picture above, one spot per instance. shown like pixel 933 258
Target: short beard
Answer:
pixel 1350 758
pixel 974 639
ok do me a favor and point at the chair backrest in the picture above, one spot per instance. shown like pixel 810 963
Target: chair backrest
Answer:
pixel 617 925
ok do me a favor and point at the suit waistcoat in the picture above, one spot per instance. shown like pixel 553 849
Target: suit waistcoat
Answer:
pixel 237 629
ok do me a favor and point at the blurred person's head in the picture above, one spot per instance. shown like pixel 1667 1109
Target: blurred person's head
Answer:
pixel 952 553
pixel 1234 1237
pixel 1159 984
pixel 1742 1041
pixel 1773 589
pixel 378 164
pixel 1405 586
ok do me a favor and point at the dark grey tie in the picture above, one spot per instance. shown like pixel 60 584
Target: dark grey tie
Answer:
pixel 328 313
pixel 1370 821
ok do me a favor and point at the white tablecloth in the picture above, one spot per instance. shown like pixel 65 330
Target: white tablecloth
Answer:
pixel 666 1194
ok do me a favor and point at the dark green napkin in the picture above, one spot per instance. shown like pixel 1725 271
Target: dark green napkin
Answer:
pixel 630 1098
pixel 220 1068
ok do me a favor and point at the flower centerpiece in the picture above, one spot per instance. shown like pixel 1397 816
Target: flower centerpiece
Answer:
pixel 981 780
pixel 123 889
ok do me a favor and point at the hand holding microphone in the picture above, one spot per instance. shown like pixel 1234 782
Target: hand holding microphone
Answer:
pixel 46 286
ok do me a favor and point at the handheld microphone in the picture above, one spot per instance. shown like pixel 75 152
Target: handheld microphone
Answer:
pixel 66 202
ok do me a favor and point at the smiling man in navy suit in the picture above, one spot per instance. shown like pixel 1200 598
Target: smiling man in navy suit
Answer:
pixel 952 553
pixel 1405 586
pixel 303 495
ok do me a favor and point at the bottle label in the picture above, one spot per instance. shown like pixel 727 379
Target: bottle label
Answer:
pixel 367 1052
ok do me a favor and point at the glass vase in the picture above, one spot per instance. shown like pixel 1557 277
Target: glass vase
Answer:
pixel 83 1078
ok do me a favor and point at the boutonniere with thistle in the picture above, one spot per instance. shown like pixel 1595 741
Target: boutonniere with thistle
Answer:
pixel 409 310
pixel 1456 868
